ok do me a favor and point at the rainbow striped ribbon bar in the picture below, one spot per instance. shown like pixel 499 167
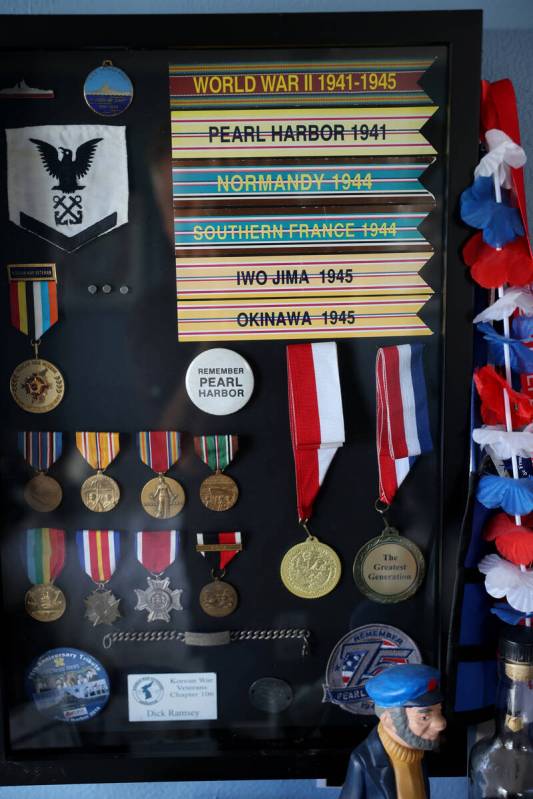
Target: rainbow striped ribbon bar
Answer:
pixel 216 451
pixel 40 449
pixel 159 449
pixel 367 81
pixel 365 230
pixel 98 449
pixel 33 298
pixel 260 320
pixel 45 554
pixel 386 181
pixel 348 274
pixel 98 551
pixel 318 132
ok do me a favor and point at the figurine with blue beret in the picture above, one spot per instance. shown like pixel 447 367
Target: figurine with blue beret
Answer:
pixel 388 764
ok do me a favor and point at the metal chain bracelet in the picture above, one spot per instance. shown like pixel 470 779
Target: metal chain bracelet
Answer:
pixel 207 639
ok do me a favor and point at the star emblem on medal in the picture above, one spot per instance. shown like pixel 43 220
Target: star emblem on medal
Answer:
pixel 159 599
pixel 36 386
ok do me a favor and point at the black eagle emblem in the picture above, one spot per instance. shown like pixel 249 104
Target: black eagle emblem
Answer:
pixel 66 170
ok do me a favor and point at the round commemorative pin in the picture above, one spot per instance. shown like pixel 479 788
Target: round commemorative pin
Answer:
pixel 68 685
pixel 360 654
pixel 219 381
pixel 107 90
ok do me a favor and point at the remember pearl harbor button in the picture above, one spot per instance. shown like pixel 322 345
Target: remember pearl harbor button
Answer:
pixel 219 381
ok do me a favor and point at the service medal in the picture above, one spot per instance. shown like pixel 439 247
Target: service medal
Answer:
pixel 218 492
pixel 389 568
pixel 108 91
pixel 100 493
pixel 37 386
pixel 159 599
pixel 162 497
pixel 102 607
pixel 45 558
pixel 311 569
pixel 43 493
pixel 45 602
pixel 218 598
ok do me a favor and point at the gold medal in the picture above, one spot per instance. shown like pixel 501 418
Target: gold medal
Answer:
pixel 100 493
pixel 45 602
pixel 218 598
pixel 311 569
pixel 37 386
pixel 43 493
pixel 219 492
pixel 162 497
pixel 389 568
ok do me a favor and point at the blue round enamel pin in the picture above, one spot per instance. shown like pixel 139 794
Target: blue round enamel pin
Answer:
pixel 359 655
pixel 108 91
pixel 68 685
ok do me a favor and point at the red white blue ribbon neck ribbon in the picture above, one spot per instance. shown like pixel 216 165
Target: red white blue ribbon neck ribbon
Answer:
pixel 316 418
pixel 402 423
pixel 98 551
pixel 40 449
pixel 156 550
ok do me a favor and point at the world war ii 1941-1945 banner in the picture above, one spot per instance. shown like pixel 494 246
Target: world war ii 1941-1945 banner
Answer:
pixel 300 205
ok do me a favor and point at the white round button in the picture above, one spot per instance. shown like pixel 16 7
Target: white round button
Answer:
pixel 219 381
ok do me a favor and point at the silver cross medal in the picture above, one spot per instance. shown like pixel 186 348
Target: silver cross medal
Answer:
pixel 158 599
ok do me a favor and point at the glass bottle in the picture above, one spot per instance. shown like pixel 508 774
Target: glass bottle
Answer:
pixel 501 765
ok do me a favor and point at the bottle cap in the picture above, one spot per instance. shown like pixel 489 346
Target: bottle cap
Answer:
pixel 516 646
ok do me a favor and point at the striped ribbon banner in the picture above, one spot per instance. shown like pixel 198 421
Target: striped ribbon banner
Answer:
pixel 386 181
pixel 98 449
pixel 367 81
pixel 217 452
pixel 33 298
pixel 365 230
pixel 40 449
pixel 98 551
pixel 156 549
pixel 219 549
pixel 159 449
pixel 45 554
pixel 349 274
pixel 352 317
pixel 276 132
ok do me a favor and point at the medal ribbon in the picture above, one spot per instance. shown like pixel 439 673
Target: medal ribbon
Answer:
pixel 402 423
pixel 45 554
pixel 40 450
pixel 159 449
pixel 32 298
pixel 98 449
pixel 219 548
pixel 316 418
pixel 156 550
pixel 216 451
pixel 98 551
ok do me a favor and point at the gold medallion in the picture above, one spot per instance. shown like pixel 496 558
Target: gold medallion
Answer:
pixel 43 493
pixel 311 569
pixel 37 386
pixel 219 492
pixel 162 497
pixel 45 602
pixel 100 493
pixel 218 598
pixel 389 568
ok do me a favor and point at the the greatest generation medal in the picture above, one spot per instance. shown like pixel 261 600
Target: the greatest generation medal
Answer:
pixel 41 450
pixel 45 558
pixel 218 598
pixel 68 685
pixel 312 569
pixel 107 90
pixel 390 568
pixel 156 551
pixel 219 381
pixel 99 552
pixel 218 491
pixel 162 497
pixel 99 492
pixel 36 385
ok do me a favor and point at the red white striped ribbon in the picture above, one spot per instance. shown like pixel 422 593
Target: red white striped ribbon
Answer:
pixel 316 418
pixel 156 550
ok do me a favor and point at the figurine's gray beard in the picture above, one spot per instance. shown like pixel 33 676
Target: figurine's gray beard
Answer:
pixel 400 723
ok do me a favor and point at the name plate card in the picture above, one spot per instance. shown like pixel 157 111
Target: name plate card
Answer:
pixel 172 697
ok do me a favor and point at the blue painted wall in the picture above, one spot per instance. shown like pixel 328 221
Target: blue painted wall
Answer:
pixel 508 53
